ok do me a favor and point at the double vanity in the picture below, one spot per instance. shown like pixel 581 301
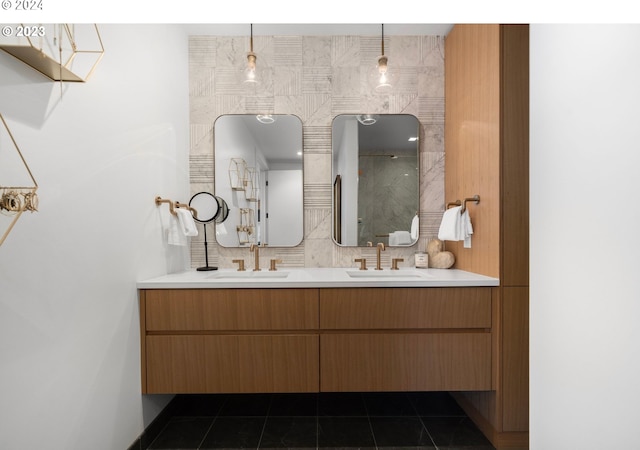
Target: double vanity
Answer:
pixel 316 330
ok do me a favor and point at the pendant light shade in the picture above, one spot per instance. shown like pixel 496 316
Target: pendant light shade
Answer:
pixel 380 77
pixel 249 74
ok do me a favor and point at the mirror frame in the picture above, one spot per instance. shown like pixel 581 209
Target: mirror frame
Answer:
pixel 338 183
pixel 258 204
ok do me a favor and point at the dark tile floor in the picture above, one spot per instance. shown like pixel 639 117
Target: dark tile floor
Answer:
pixel 320 421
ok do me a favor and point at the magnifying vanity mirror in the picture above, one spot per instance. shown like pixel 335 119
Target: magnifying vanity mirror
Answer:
pixel 375 170
pixel 208 208
pixel 259 171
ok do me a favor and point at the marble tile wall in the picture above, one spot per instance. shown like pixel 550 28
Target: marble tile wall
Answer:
pixel 317 78
pixel 392 207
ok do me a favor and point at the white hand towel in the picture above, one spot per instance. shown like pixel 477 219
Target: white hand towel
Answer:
pixel 450 225
pixel 187 224
pixel 415 227
pixel 175 235
pixel 399 238
pixel 466 229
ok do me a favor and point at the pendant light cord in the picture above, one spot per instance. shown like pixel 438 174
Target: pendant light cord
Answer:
pixel 382 39
pixel 251 39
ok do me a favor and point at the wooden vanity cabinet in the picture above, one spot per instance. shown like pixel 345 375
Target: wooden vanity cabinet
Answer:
pixel 405 339
pixel 312 340
pixel 229 340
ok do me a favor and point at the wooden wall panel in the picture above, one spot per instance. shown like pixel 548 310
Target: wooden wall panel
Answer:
pixel 514 173
pixel 487 148
pixel 472 124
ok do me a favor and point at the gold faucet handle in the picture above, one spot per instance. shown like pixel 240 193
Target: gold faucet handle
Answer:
pixel 394 263
pixel 272 264
pixel 363 263
pixel 380 245
pixel 240 263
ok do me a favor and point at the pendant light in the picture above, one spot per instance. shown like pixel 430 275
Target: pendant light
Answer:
pixel 380 77
pixel 249 74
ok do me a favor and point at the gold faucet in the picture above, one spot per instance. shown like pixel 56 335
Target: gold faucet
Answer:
pixel 379 248
pixel 256 258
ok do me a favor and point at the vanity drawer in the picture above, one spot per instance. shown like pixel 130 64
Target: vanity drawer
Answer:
pixel 231 363
pixel 405 308
pixel 405 362
pixel 231 309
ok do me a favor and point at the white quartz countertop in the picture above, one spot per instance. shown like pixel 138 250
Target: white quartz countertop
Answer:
pixel 317 278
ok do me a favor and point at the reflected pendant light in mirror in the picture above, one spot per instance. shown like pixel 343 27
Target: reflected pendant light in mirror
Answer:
pixel 208 208
pixel 367 119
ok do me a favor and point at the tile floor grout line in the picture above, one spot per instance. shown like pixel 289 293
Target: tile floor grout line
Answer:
pixel 211 426
pixel 411 401
pixel 206 434
pixel 373 435
pixel 266 417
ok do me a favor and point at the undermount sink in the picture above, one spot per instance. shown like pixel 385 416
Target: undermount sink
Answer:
pixel 385 274
pixel 250 274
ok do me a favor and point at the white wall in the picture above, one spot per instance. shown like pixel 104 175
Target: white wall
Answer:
pixel 585 295
pixel 286 188
pixel 69 332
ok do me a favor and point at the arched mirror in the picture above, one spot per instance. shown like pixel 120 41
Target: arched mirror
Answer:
pixel 259 171
pixel 376 179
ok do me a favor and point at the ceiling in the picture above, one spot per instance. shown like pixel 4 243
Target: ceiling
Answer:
pixel 311 29
pixel 390 134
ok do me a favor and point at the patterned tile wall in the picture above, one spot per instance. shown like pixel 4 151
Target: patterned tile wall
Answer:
pixel 317 78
